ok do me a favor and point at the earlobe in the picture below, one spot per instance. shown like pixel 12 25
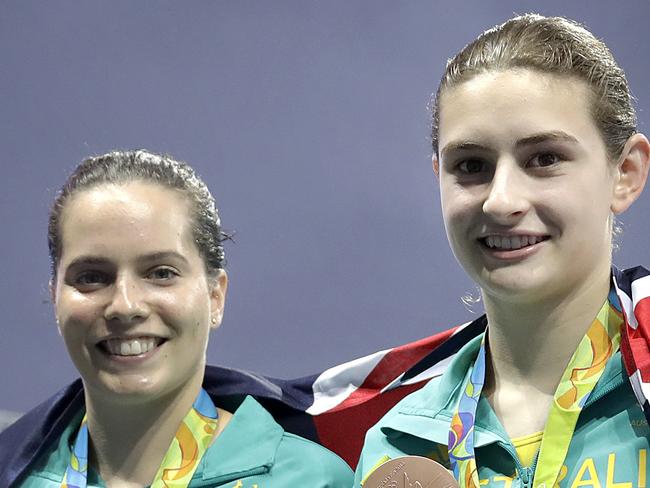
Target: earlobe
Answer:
pixel 632 169
pixel 436 165
pixel 218 298
pixel 52 288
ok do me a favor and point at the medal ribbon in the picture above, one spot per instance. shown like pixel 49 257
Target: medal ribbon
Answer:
pixel 181 460
pixel 586 366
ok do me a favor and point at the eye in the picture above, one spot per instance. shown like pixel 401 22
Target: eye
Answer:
pixel 91 279
pixel 162 273
pixel 471 166
pixel 543 160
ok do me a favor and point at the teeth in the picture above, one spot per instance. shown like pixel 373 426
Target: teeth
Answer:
pixel 125 348
pixel 130 347
pixel 511 242
pixel 515 242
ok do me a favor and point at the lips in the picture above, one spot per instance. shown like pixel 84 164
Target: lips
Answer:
pixel 511 242
pixel 132 346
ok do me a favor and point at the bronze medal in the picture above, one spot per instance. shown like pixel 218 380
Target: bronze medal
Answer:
pixel 410 472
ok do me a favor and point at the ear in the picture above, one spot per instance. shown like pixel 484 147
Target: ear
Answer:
pixel 219 285
pixel 436 165
pixel 52 287
pixel 632 173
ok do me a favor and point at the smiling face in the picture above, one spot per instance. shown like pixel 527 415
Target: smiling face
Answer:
pixel 132 298
pixel 526 185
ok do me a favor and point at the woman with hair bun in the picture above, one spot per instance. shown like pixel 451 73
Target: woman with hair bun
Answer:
pixel 138 283
pixel 536 150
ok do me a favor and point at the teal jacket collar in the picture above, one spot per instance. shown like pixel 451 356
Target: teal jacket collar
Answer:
pixel 251 430
pixel 426 414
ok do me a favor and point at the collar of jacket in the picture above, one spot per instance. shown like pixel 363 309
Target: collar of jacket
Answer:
pixel 440 394
pixel 251 430
pixel 426 414
pixel 26 439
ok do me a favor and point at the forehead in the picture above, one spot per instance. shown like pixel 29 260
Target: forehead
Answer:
pixel 124 219
pixel 515 103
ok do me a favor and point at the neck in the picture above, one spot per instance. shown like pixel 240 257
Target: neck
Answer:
pixel 128 440
pixel 532 343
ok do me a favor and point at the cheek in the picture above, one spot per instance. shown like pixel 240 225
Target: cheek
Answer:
pixel 188 307
pixel 74 309
pixel 454 197
pixel 76 316
pixel 580 209
pixel 457 208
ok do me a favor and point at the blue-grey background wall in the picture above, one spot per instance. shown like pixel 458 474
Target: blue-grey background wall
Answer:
pixel 307 119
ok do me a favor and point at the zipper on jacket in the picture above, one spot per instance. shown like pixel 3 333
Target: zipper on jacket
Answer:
pixel 527 474
pixel 523 473
pixel 604 391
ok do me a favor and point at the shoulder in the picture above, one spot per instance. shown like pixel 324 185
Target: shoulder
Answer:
pixel 254 443
pixel 34 434
pixel 320 466
pixel 419 423
pixel 379 443
pixel 441 389
pixel 48 467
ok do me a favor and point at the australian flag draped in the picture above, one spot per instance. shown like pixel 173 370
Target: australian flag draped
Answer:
pixel 337 406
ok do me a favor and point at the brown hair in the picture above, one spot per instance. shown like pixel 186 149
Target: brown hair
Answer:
pixel 121 167
pixel 550 45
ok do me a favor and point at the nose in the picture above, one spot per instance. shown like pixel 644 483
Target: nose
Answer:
pixel 507 199
pixel 127 303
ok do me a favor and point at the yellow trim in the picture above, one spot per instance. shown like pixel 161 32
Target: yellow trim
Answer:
pixel 381 461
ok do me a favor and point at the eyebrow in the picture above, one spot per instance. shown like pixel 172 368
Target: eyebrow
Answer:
pixel 87 260
pixel 163 255
pixel 556 135
pixel 551 136
pixel 99 261
pixel 463 146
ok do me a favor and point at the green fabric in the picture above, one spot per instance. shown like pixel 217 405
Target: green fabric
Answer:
pixel 609 447
pixel 253 451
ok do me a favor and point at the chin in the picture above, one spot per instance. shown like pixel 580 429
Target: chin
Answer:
pixel 519 285
pixel 134 388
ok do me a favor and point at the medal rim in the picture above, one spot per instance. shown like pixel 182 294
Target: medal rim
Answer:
pixel 379 473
